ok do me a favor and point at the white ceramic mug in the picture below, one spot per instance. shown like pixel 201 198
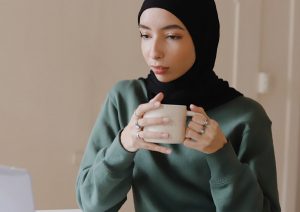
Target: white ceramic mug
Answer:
pixel 176 127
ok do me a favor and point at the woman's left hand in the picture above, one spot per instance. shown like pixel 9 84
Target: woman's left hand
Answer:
pixel 204 134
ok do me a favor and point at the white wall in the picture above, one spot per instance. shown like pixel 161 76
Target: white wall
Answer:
pixel 48 53
pixel 58 59
pixel 296 65
pixel 280 52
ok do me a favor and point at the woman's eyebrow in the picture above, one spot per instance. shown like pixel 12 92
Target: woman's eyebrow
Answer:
pixel 168 27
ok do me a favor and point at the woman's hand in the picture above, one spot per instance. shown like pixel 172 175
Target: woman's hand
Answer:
pixel 203 133
pixel 132 137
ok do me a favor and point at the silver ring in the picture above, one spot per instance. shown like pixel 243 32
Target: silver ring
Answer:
pixel 137 126
pixel 138 135
pixel 205 123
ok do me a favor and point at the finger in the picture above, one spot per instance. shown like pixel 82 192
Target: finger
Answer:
pixel 143 108
pixel 153 121
pixel 193 135
pixel 193 144
pixel 152 104
pixel 197 109
pixel 213 124
pixel 153 135
pixel 158 98
pixel 200 118
pixel 190 143
pixel 155 147
pixel 196 127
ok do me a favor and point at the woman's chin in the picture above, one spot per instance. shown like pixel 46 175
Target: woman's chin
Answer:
pixel 163 79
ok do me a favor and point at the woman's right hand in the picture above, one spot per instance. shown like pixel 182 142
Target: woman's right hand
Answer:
pixel 132 137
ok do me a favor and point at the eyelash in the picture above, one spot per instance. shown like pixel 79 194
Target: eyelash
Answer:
pixel 144 36
pixel 172 37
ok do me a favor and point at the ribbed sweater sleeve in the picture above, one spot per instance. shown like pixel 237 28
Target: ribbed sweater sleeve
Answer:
pixel 245 180
pixel 105 173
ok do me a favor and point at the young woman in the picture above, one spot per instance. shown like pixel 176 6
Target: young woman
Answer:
pixel 226 162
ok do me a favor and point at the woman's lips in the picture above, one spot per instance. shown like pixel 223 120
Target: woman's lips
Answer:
pixel 159 69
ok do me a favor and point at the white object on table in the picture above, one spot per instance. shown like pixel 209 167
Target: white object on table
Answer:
pixel 15 190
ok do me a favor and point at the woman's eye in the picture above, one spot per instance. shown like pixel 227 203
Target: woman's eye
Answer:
pixel 174 37
pixel 144 36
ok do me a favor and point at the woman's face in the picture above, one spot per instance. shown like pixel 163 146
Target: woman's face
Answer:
pixel 166 44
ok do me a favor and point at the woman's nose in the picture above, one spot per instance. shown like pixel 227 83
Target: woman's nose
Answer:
pixel 156 51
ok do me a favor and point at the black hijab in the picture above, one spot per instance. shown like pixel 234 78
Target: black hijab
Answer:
pixel 199 85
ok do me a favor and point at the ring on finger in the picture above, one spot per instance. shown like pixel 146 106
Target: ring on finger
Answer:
pixel 137 126
pixel 138 135
pixel 205 123
pixel 202 131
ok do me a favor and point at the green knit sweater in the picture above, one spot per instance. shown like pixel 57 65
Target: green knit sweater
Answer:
pixel 240 177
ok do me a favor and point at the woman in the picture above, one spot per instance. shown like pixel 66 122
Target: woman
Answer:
pixel 226 162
